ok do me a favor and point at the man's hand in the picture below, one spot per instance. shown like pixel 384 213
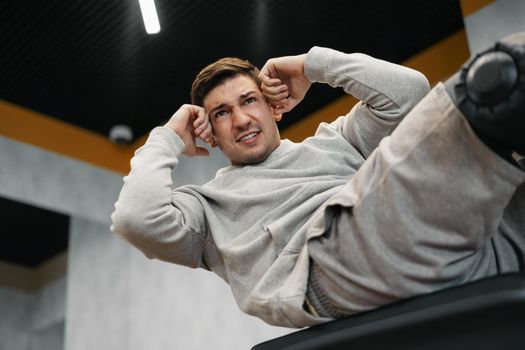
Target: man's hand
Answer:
pixel 190 122
pixel 283 82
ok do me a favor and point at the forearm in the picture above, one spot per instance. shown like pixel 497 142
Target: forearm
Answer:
pixel 388 92
pixel 144 213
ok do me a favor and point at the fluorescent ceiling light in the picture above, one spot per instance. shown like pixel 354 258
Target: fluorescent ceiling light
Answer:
pixel 149 15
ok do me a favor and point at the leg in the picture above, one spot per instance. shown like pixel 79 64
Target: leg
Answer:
pixel 423 213
pixel 490 93
pixel 509 240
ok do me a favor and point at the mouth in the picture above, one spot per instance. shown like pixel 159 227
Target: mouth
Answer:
pixel 248 137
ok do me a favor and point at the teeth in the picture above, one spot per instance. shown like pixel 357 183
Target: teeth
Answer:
pixel 249 136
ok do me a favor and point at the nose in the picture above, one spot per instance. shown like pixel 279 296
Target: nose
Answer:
pixel 241 120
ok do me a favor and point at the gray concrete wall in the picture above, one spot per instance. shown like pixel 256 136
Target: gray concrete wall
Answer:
pixel 48 317
pixel 51 338
pixel 47 180
pixel 493 22
pixel 33 320
pixel 14 316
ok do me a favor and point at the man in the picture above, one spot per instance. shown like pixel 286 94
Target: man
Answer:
pixel 349 219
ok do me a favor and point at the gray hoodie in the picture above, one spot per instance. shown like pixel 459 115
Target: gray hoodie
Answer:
pixel 250 223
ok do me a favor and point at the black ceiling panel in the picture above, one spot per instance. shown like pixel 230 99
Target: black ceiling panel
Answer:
pixel 92 64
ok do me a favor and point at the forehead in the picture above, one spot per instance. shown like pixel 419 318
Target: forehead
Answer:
pixel 229 91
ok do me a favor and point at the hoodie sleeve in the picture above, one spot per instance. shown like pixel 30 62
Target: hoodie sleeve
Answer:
pixel 162 223
pixel 386 93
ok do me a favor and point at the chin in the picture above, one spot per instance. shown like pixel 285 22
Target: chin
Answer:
pixel 255 159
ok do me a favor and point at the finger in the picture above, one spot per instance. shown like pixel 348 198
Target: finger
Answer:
pixel 201 124
pixel 274 90
pixel 197 122
pixel 203 127
pixel 269 68
pixel 201 117
pixel 265 71
pixel 272 71
pixel 278 99
pixel 205 134
pixel 266 80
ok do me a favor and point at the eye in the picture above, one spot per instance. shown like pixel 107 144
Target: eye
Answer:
pixel 220 113
pixel 250 100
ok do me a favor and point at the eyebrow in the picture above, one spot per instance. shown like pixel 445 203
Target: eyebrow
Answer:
pixel 221 106
pixel 246 94
pixel 241 97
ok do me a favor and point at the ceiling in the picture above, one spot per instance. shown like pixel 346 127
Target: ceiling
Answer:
pixel 91 64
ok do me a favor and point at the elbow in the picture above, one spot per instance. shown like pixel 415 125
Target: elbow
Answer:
pixel 418 87
pixel 150 232
pixel 413 87
pixel 127 224
pixel 130 226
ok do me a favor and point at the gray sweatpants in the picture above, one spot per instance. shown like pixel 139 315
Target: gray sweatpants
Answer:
pixel 431 208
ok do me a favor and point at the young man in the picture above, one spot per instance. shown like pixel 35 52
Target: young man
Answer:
pixel 349 219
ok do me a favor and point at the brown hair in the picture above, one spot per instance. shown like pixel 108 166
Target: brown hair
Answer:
pixel 216 73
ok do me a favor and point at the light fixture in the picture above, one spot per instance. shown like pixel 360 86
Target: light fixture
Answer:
pixel 121 134
pixel 149 15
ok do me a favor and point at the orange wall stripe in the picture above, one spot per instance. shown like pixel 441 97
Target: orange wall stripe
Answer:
pixel 468 7
pixel 443 59
pixel 28 126
pixel 307 126
pixel 437 62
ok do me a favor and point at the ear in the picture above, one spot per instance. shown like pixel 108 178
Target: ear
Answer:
pixel 276 115
pixel 213 143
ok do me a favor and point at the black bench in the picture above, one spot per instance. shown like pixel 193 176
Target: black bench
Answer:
pixel 486 314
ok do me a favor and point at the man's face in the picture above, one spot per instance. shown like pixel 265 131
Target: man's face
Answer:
pixel 243 122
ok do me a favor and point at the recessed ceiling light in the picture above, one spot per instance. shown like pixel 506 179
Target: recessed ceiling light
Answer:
pixel 150 17
pixel 121 134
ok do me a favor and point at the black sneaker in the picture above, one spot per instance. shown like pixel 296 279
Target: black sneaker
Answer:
pixel 490 92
